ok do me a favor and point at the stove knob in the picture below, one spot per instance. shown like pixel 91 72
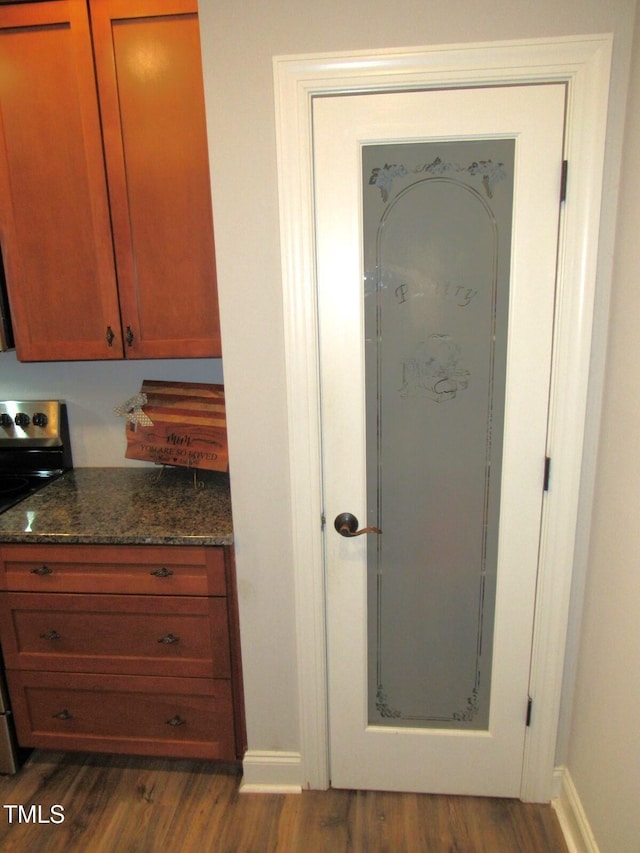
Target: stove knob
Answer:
pixel 22 419
pixel 6 420
pixel 40 419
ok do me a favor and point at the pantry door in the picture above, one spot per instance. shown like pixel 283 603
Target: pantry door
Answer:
pixel 437 216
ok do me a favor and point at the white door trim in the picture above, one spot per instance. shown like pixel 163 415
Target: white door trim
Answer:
pixel 584 64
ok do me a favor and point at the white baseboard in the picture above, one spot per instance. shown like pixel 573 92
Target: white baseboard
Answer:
pixel 571 815
pixel 271 772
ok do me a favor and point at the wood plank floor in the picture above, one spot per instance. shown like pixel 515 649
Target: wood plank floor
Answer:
pixel 120 804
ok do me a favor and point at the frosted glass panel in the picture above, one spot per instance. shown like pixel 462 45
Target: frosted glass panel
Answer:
pixel 437 237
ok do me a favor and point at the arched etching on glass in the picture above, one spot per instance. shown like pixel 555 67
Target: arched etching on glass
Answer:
pixel 437 241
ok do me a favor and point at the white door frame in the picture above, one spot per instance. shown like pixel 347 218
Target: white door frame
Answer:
pixel 584 64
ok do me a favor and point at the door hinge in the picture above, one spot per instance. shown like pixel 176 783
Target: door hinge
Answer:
pixel 529 709
pixel 547 473
pixel 323 521
pixel 563 181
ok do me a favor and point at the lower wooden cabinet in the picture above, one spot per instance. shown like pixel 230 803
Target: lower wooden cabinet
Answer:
pixel 147 635
pixel 117 649
pixel 186 717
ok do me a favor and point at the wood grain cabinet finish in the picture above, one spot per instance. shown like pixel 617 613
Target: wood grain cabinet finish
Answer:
pixel 127 634
pixel 123 649
pixel 136 569
pixel 173 717
pixel 107 239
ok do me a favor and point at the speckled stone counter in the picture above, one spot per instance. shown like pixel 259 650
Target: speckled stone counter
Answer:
pixel 120 506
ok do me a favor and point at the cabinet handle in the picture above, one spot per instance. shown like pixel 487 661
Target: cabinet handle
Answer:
pixel 62 715
pixel 162 573
pixel 110 336
pixel 50 635
pixel 129 336
pixel 169 639
pixel 176 721
pixel 42 570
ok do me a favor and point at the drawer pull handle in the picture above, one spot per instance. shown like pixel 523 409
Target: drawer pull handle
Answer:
pixel 169 639
pixel 50 635
pixel 63 715
pixel 176 721
pixel 42 570
pixel 162 573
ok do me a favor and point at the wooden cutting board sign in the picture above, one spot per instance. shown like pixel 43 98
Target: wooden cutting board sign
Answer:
pixel 189 426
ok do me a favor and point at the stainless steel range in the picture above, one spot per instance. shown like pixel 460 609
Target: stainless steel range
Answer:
pixel 35 449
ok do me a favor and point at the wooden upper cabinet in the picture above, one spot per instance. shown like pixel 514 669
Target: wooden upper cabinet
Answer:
pixel 55 228
pixel 108 240
pixel 150 85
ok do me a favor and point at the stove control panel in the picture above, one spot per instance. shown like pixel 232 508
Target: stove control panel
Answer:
pixel 30 423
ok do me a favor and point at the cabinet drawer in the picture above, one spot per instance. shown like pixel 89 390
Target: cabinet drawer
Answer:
pixel 144 569
pixel 183 717
pixel 153 635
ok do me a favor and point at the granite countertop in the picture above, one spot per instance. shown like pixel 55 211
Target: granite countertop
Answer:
pixel 125 506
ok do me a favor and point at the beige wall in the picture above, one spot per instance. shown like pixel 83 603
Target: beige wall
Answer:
pixel 239 41
pixel 604 746
pixel 91 390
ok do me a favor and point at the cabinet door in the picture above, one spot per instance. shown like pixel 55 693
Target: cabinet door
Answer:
pixel 141 569
pixel 144 634
pixel 134 714
pixel 54 217
pixel 152 103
